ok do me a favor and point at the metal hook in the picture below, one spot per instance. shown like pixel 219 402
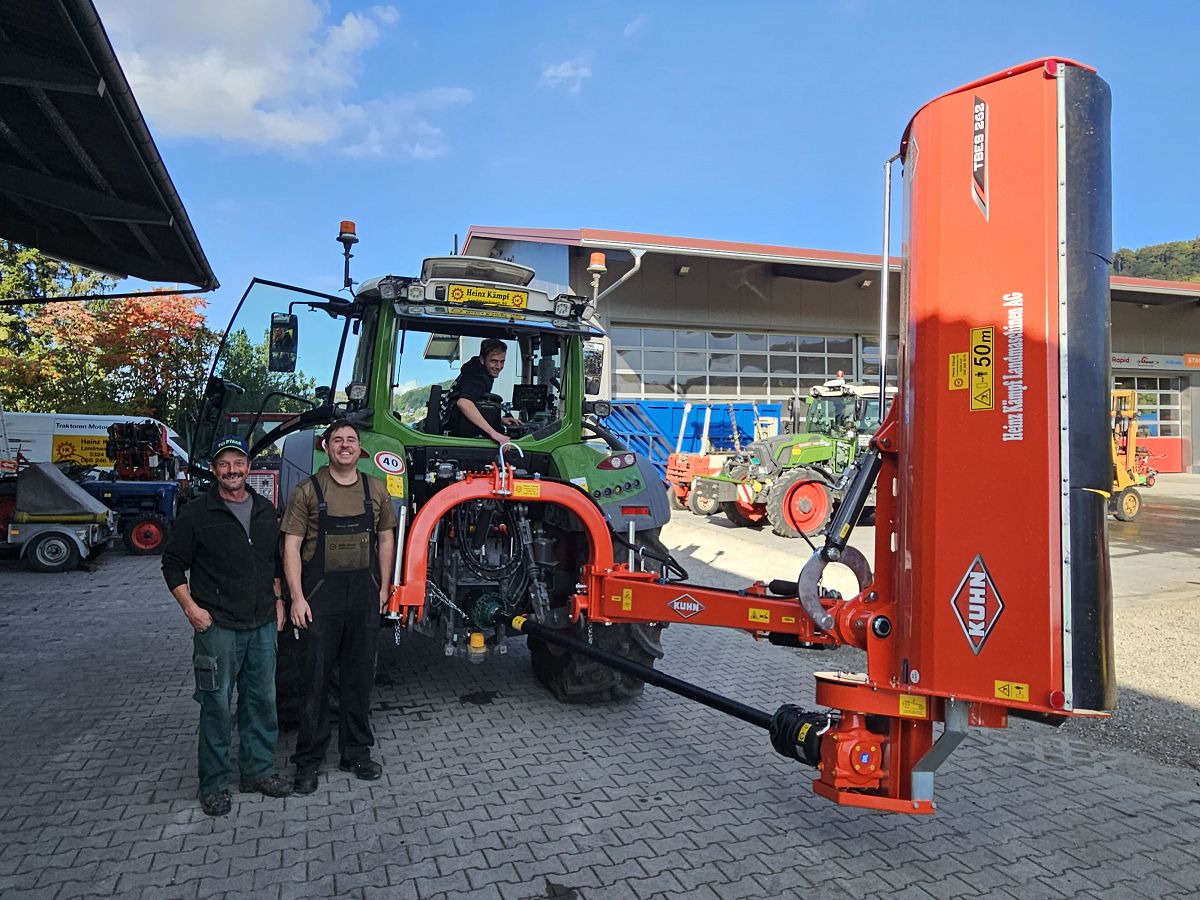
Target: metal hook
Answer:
pixel 502 469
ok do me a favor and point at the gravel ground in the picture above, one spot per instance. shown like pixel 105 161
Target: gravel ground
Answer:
pixel 1156 612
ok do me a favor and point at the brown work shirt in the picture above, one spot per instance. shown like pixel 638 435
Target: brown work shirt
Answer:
pixel 300 517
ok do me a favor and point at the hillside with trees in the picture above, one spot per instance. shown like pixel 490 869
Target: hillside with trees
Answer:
pixel 1176 261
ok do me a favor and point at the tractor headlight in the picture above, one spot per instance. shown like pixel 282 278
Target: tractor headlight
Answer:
pixel 563 308
pixel 416 293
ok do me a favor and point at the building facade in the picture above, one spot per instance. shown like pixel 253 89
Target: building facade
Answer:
pixel 717 321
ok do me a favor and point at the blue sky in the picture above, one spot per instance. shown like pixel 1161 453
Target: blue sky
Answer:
pixel 764 122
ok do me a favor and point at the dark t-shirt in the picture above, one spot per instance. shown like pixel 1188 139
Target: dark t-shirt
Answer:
pixel 241 509
pixel 473 381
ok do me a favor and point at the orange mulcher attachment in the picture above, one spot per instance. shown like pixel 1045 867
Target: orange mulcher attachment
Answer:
pixel 980 607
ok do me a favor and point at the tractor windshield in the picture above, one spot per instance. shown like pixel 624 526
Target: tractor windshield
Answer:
pixel 829 414
pixel 528 389
pixel 868 419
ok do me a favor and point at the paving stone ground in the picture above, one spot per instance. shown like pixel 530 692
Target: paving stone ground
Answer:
pixel 520 796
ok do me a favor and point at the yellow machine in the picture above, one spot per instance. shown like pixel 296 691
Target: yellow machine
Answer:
pixel 1131 463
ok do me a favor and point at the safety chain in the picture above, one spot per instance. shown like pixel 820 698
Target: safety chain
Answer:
pixel 438 595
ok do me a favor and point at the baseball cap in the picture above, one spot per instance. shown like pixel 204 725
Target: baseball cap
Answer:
pixel 230 442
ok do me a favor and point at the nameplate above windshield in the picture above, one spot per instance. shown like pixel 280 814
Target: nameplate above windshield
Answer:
pixel 486 296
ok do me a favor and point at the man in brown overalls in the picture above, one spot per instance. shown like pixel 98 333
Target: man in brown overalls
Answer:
pixel 338 548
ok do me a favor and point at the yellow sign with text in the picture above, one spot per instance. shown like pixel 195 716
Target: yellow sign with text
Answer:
pixel 395 485
pixel 527 489
pixel 914 706
pixel 983 342
pixel 760 616
pixel 959 371
pixel 486 296
pixel 87 450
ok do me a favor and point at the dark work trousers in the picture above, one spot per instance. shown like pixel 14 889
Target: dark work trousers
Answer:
pixel 222 658
pixel 341 585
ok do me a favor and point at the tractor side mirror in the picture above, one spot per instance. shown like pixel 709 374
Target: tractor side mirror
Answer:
pixel 285 335
pixel 593 366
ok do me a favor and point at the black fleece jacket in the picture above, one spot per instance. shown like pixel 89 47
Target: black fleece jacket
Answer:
pixel 231 577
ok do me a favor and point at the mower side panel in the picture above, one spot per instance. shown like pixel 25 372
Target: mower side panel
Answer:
pixel 1002 551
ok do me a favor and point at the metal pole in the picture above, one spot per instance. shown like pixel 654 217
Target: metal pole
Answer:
pixel 687 409
pixel 885 278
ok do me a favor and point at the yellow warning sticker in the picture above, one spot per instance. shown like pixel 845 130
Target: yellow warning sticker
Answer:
pixel 788 620
pixel 959 371
pixel 527 489
pixel 982 344
pixel 762 616
pixel 1012 690
pixel 627 599
pixel 803 732
pixel 914 706
pixel 395 485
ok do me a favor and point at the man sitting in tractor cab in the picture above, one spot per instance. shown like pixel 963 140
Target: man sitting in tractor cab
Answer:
pixel 472 409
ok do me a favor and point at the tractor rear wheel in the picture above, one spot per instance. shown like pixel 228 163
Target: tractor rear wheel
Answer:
pixel 744 515
pixel 145 535
pixel 290 676
pixel 799 502
pixel 702 506
pixel 573 678
pixel 1128 504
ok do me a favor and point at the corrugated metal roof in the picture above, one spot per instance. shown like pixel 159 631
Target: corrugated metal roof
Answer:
pixel 80 177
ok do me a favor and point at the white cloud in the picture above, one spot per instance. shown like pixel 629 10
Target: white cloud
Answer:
pixel 635 25
pixel 568 75
pixel 271 75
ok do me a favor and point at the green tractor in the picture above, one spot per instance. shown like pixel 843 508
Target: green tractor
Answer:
pixel 792 481
pixel 393 346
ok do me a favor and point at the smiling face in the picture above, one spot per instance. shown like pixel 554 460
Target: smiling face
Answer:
pixel 494 363
pixel 231 468
pixel 343 448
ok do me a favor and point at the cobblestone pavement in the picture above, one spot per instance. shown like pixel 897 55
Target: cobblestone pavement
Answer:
pixel 492 789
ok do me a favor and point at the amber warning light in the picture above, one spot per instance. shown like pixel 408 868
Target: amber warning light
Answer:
pixel 349 233
pixel 596 264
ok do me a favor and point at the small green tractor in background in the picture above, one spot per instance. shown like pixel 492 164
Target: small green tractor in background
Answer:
pixel 792 481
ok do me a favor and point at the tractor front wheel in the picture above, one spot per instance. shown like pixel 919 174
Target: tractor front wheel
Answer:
pixel 701 506
pixel 744 515
pixel 1128 504
pixel 800 502
pixel 145 535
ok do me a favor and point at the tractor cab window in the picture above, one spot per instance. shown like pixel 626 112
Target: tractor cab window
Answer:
pixel 869 420
pixel 828 413
pixel 527 390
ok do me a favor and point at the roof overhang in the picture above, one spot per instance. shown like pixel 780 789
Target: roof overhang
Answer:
pixel 80 177
pixel 797 262
pixel 801 262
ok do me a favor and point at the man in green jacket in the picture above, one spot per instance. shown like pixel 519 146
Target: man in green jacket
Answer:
pixel 228 541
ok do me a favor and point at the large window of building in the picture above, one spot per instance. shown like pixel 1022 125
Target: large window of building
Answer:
pixel 1160 404
pixel 662 363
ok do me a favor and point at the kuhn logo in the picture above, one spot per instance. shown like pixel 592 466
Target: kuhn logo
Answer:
pixel 686 605
pixel 977 604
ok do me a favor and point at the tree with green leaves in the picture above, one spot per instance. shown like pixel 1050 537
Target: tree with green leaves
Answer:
pixel 1175 261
